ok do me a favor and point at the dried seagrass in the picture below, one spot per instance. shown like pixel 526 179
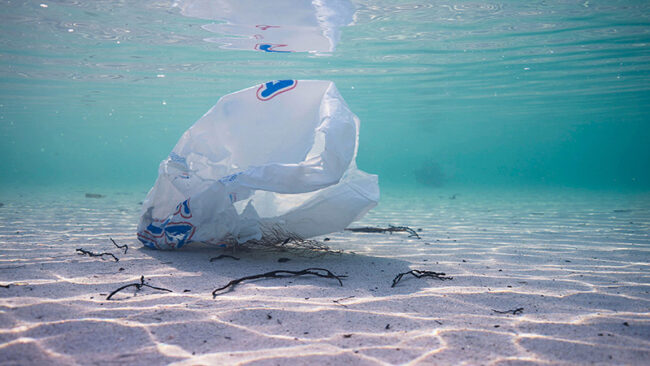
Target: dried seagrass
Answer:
pixel 91 254
pixel 419 274
pixel 126 247
pixel 276 239
pixel 138 286
pixel 390 229
pixel 516 311
pixel 320 272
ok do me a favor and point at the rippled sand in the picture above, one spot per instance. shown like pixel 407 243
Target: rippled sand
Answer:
pixel 576 262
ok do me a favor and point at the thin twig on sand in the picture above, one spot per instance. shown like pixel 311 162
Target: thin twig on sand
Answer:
pixel 126 247
pixel 91 254
pixel 222 256
pixel 516 311
pixel 138 286
pixel 419 274
pixel 320 272
pixel 338 302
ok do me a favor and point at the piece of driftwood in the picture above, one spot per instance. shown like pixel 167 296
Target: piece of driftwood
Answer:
pixel 320 272
pixel 91 254
pixel 390 229
pixel 513 311
pixel 138 286
pixel 419 274
pixel 126 247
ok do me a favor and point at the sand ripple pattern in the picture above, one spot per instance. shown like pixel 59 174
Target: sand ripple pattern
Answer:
pixel 576 262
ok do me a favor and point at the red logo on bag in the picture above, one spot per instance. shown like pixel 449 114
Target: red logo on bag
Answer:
pixel 265 27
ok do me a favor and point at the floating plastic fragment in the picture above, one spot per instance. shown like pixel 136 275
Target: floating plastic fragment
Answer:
pixel 271 160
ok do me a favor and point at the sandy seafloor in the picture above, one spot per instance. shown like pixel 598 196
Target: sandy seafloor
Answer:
pixel 577 262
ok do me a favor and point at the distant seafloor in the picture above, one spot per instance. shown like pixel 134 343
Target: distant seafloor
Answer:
pixel 538 277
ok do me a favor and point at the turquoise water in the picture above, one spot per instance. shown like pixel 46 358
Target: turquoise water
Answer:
pixel 450 94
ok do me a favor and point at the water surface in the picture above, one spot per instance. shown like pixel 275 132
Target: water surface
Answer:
pixel 464 93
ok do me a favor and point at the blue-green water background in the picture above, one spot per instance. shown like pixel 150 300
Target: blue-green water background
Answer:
pixel 492 94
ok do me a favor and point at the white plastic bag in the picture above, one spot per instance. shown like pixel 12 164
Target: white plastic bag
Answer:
pixel 274 158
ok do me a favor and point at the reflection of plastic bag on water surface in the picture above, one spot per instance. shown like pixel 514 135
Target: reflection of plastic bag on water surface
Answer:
pixel 275 158
pixel 272 26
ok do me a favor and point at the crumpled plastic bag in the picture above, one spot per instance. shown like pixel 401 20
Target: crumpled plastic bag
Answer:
pixel 274 159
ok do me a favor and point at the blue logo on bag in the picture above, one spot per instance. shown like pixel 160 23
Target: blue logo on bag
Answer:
pixel 272 88
pixel 178 232
pixel 173 232
pixel 183 209
pixel 270 47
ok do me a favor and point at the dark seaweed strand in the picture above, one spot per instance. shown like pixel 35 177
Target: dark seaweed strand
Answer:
pixel 222 256
pixel 419 274
pixel 138 286
pixel 281 274
pixel 406 229
pixel 126 247
pixel 513 311
pixel 91 254
pixel 367 229
pixel 390 229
